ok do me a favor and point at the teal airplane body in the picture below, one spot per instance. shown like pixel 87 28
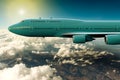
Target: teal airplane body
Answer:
pixel 80 30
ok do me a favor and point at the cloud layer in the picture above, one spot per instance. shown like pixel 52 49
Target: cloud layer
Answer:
pixel 21 72
pixel 24 58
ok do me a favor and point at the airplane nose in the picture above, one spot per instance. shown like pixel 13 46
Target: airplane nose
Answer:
pixel 15 29
pixel 9 28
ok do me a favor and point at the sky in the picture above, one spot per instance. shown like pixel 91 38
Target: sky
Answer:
pixel 13 11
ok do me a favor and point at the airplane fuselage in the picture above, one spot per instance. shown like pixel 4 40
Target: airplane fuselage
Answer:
pixel 65 28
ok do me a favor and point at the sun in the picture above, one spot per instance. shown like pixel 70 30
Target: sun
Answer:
pixel 17 10
pixel 21 12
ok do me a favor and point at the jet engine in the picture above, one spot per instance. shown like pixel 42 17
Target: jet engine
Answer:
pixel 82 38
pixel 112 39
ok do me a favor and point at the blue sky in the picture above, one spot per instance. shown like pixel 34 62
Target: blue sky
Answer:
pixel 77 9
pixel 89 9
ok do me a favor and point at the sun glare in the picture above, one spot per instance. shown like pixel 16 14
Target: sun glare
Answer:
pixel 21 12
pixel 17 10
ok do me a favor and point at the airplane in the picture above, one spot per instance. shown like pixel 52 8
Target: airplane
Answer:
pixel 81 31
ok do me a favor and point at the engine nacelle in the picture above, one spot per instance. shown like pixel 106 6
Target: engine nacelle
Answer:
pixel 82 38
pixel 112 39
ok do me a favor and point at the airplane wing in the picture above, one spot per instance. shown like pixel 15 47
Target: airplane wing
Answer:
pixel 111 38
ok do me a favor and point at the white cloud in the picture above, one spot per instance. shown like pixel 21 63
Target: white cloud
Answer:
pixel 12 44
pixel 78 50
pixel 21 72
pixel 72 61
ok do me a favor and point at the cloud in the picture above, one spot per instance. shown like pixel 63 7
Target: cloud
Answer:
pixel 21 72
pixel 74 53
pixel 13 45
pixel 76 50
pixel 31 52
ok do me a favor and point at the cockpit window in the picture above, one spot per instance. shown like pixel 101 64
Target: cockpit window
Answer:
pixel 23 21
